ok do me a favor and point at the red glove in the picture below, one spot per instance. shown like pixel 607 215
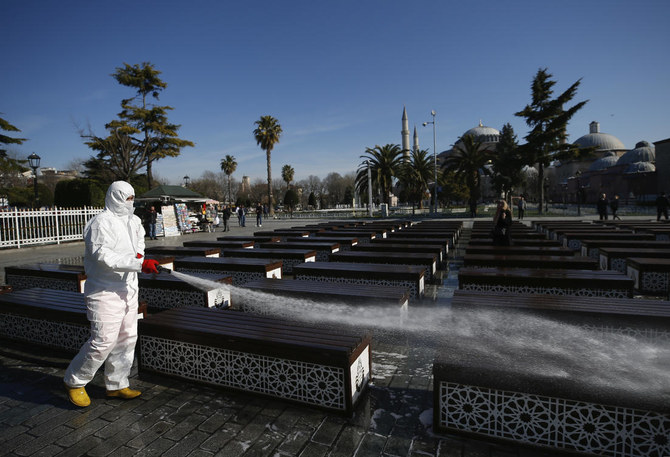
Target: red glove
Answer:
pixel 149 266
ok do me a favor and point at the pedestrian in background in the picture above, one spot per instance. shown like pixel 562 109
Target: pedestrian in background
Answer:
pixel 662 204
pixel 601 206
pixel 259 215
pixel 152 216
pixel 521 207
pixel 614 207
pixel 226 217
pixel 502 224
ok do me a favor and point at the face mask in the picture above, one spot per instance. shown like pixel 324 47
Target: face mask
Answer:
pixel 129 207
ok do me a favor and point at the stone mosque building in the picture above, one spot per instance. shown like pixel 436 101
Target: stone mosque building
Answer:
pixel 636 175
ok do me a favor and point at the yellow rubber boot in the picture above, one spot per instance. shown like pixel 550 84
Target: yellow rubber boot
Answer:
pixel 126 393
pixel 78 396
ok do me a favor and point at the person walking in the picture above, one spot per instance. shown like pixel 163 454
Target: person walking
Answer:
pixel 114 254
pixel 242 216
pixel 259 215
pixel 521 207
pixel 226 217
pixel 662 205
pixel 601 206
pixel 614 207
pixel 502 224
pixel 152 216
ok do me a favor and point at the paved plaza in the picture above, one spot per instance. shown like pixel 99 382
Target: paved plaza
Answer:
pixel 178 418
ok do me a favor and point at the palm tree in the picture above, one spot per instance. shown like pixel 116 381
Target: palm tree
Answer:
pixel 287 173
pixel 414 176
pixel 267 134
pixel 385 163
pixel 229 165
pixel 468 161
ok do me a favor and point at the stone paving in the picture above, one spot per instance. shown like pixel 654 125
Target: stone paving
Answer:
pixel 178 418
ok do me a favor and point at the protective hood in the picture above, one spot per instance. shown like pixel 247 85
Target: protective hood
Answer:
pixel 115 200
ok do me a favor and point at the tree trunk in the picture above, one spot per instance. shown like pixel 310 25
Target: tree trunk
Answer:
pixel 270 205
pixel 229 201
pixel 540 184
pixel 150 176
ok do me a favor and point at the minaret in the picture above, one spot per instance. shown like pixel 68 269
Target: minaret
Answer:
pixel 416 140
pixel 405 134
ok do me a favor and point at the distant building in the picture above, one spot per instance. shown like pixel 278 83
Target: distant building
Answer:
pixel 611 169
pixel 637 174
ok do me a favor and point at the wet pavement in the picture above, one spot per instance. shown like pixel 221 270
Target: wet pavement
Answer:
pixel 178 418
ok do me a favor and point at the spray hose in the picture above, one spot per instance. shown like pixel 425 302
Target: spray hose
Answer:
pixel 163 269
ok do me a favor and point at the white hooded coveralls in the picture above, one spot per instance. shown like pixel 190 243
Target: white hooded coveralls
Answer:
pixel 113 239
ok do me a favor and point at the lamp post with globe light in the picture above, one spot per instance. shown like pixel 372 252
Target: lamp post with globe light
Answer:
pixel 34 161
pixel 434 193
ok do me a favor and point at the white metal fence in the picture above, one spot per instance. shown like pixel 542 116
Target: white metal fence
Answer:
pixel 25 227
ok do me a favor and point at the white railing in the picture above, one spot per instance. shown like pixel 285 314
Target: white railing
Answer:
pixel 25 227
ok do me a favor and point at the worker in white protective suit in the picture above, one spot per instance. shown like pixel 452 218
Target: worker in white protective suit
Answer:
pixel 114 255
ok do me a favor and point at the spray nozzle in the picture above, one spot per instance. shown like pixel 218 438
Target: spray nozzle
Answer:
pixel 162 269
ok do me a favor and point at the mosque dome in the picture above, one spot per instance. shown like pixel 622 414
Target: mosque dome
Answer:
pixel 639 167
pixel 601 141
pixel 608 160
pixel 643 152
pixel 484 134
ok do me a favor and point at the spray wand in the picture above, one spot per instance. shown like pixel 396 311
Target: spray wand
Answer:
pixel 162 269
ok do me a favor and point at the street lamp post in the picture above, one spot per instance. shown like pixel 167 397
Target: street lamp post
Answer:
pixel 187 181
pixel 34 161
pixel 367 162
pixel 579 193
pixel 434 203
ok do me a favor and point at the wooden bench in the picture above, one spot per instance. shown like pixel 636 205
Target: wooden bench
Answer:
pixel 591 248
pixel 519 250
pixel 241 270
pixel 361 237
pixel 420 232
pixel 525 235
pixel 158 292
pixel 314 366
pixel 529 401
pixel 282 234
pixel 518 242
pixel 651 276
pixel 219 244
pixel 47 276
pixel 257 239
pixel 351 294
pixel 408 277
pixel 448 238
pixel 374 232
pixel 288 257
pixel 548 227
pixel 660 234
pixel 323 250
pixel 546 281
pixel 426 260
pixel 616 258
pixel 636 317
pixel 528 261
pixel 182 251
pixel 435 249
pixel 345 243
pixel 47 317
pixel 164 291
pixel 574 240
pixel 416 242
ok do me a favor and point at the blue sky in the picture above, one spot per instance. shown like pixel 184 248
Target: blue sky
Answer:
pixel 335 74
